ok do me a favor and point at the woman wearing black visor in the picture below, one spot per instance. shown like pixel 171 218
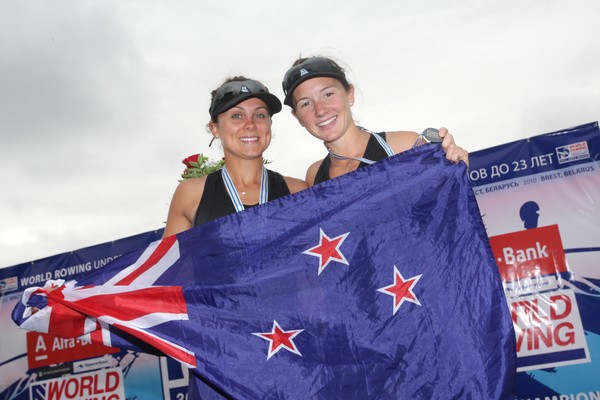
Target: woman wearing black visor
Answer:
pixel 240 116
pixel 317 90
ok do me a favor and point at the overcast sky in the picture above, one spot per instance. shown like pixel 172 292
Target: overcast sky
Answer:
pixel 101 100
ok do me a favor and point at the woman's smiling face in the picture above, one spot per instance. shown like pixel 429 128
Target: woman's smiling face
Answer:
pixel 322 106
pixel 245 129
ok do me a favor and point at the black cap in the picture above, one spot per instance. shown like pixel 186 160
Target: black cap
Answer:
pixel 312 67
pixel 232 93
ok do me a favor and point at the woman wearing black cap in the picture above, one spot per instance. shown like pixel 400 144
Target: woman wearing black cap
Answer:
pixel 240 116
pixel 321 98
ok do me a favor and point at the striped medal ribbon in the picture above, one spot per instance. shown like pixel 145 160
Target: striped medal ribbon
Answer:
pixel 233 194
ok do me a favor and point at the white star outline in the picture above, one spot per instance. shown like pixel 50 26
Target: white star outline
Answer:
pixel 272 351
pixel 386 289
pixel 341 259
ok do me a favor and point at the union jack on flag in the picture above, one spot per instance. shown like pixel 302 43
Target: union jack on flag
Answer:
pixel 376 284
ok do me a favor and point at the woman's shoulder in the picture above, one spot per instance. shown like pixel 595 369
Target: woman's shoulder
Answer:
pixel 190 189
pixel 192 182
pixel 184 204
pixel 311 172
pixel 295 184
pixel 401 140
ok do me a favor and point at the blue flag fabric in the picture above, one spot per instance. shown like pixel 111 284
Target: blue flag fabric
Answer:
pixel 379 284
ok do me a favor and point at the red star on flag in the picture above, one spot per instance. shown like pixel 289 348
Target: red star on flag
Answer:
pixel 402 289
pixel 280 339
pixel 327 250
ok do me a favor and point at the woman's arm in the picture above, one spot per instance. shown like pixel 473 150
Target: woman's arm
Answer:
pixel 404 140
pixel 183 206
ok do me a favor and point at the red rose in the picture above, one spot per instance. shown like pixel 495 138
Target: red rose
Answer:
pixel 191 159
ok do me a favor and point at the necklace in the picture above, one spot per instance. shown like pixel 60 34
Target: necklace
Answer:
pixel 233 193
pixel 379 139
pixel 348 166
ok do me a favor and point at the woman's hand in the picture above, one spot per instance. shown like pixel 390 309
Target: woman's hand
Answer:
pixel 453 152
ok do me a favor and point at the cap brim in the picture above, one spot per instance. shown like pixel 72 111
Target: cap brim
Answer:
pixel 288 99
pixel 272 102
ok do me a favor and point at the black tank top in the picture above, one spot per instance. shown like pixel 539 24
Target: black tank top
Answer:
pixel 215 201
pixel 374 152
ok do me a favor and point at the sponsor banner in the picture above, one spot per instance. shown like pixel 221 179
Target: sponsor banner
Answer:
pixel 54 371
pixel 8 284
pixel 549 330
pixel 545 315
pixel 544 153
pixel 44 349
pixel 41 366
pixel 70 265
pixel 540 202
pixel 529 255
pixel 93 363
pixel 105 384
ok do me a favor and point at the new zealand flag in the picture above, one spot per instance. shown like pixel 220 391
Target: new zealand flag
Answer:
pixel 379 284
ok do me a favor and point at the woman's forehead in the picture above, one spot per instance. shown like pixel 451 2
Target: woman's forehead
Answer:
pixel 317 83
pixel 251 104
